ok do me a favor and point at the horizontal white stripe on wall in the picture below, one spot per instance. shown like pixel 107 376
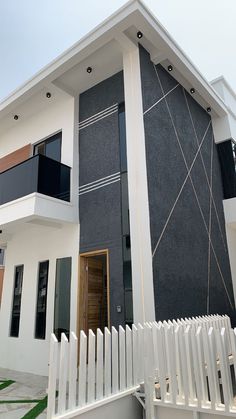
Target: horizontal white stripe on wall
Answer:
pixel 98 116
pixel 99 183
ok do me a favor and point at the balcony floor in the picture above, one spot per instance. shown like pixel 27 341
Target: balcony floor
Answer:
pixel 35 209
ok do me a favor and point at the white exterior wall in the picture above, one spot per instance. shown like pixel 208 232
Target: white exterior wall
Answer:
pixel 29 244
pixel 59 115
pixel 26 353
pixel 231 240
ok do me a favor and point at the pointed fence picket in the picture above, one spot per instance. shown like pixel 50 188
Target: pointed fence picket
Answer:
pixel 179 361
pixel 203 371
pixel 63 374
pixel 73 354
pixel 91 367
pixel 99 369
pixel 82 369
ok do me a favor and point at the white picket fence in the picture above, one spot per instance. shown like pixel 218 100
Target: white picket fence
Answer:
pixel 194 370
pixel 114 364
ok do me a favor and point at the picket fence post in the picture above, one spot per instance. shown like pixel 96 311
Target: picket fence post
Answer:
pixel 179 361
pixel 63 374
pixel 82 369
pixel 73 355
pixel 52 381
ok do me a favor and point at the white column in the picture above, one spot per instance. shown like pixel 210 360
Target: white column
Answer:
pixel 141 254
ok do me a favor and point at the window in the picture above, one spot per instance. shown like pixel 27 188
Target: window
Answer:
pixel 62 297
pixel 51 147
pixel 1 257
pixel 122 138
pixel 16 305
pixel 41 310
pixel 127 271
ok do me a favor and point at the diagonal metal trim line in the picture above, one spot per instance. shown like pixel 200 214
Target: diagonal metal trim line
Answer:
pixel 205 171
pixel 160 100
pixel 195 193
pixel 179 193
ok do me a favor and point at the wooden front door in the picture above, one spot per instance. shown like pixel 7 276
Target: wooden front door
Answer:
pixel 92 301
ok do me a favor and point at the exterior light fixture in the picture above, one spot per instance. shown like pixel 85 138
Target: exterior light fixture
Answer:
pixel 89 70
pixel 139 35
pixel 192 90
pixel 170 68
pixel 16 117
pixel 48 95
pixel 208 109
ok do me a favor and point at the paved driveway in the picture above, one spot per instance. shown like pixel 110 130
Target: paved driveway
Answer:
pixel 22 395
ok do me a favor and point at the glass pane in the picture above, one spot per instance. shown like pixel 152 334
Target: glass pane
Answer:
pixel 62 297
pixel 16 305
pixel 53 147
pixel 40 326
pixel 54 179
pixel 1 256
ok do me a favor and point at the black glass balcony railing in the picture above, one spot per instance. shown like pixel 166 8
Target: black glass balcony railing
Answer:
pixel 37 174
pixel 227 158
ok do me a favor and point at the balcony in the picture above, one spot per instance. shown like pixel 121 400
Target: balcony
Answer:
pixel 37 174
pixel 36 191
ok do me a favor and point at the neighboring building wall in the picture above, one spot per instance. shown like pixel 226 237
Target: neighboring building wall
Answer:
pixel 191 277
pixel 29 247
pixel 231 239
pixel 100 209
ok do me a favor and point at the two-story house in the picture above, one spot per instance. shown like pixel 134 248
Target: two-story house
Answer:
pixel 111 192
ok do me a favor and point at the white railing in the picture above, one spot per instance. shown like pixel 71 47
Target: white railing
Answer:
pixel 195 371
pixel 113 363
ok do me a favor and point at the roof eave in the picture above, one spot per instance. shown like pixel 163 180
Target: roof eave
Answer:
pixel 103 33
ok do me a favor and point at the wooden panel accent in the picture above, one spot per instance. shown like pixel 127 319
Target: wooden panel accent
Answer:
pixel 92 312
pixel 82 295
pixel 1 282
pixel 95 309
pixel 14 158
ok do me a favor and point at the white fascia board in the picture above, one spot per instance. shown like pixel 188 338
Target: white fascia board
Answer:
pixel 182 62
pixel 132 13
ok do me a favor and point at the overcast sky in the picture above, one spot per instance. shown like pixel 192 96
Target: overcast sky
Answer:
pixel 34 32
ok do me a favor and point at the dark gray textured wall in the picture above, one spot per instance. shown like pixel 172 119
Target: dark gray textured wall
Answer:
pixel 100 209
pixel 191 276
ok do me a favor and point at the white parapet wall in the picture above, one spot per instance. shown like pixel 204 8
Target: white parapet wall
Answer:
pixel 126 407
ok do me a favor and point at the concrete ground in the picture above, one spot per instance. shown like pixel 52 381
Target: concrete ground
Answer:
pixel 22 395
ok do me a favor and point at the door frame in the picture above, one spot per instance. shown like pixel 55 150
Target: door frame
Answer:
pixel 80 282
